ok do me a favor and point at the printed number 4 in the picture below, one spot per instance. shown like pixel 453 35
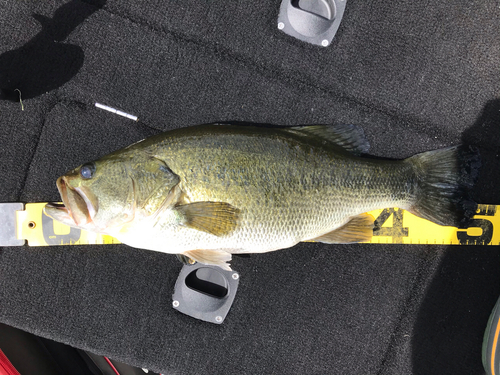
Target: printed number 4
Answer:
pixel 397 231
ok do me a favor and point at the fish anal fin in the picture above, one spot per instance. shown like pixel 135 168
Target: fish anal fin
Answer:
pixel 218 258
pixel 217 218
pixel 358 229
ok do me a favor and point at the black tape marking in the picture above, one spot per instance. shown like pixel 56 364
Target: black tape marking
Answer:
pixel 484 238
pixel 486 210
pixel 397 231
pixel 51 238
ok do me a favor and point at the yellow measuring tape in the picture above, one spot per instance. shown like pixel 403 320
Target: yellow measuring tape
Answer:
pixel 40 230
pixel 392 225
pixel 398 226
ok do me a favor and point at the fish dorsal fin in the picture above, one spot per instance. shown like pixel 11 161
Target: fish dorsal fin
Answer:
pixel 217 218
pixel 358 229
pixel 214 257
pixel 349 137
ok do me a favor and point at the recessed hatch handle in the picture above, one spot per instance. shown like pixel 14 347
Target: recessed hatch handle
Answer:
pixel 311 21
pixel 205 292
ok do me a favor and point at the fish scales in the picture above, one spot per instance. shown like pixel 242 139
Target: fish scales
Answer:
pixel 288 188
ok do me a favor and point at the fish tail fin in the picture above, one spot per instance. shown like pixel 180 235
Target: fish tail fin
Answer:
pixel 445 178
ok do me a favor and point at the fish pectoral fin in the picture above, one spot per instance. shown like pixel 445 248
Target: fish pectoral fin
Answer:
pixel 213 257
pixel 358 229
pixel 185 259
pixel 217 218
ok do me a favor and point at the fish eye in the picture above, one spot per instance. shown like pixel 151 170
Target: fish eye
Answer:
pixel 87 171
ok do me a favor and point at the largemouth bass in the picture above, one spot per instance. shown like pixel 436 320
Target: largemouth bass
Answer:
pixel 209 191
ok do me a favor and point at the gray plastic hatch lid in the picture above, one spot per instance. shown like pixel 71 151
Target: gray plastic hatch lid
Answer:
pixel 205 292
pixel 311 21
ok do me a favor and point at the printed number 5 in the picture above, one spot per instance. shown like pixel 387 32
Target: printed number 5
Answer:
pixel 484 238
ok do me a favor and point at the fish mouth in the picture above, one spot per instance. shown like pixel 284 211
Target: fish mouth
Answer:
pixel 76 202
